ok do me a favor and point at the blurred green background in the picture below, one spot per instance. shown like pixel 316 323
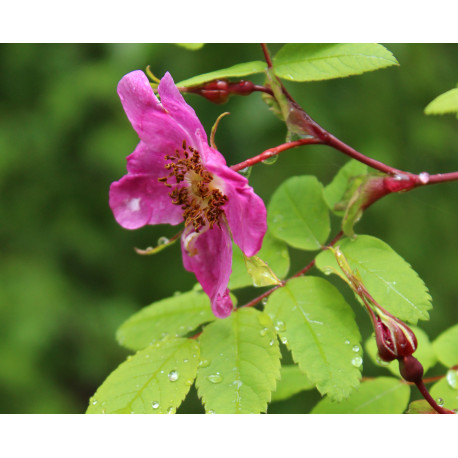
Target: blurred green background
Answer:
pixel 68 273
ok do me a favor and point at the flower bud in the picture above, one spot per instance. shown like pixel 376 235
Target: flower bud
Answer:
pixel 410 369
pixel 394 338
pixel 216 91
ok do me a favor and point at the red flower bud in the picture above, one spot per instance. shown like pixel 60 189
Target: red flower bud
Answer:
pixel 394 338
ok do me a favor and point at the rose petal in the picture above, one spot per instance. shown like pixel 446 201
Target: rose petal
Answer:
pixel 212 265
pixel 137 200
pixel 245 211
pixel 181 112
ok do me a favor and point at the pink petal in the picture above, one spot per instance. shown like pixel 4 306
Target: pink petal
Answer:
pixel 137 200
pixel 212 266
pixel 181 112
pixel 245 211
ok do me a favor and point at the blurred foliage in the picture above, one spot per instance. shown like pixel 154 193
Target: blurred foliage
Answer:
pixel 69 275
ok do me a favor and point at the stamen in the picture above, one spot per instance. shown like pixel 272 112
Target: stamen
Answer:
pixel 201 203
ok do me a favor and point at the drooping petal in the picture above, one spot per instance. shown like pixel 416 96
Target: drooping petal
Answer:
pixel 137 200
pixel 211 264
pixel 181 112
pixel 245 211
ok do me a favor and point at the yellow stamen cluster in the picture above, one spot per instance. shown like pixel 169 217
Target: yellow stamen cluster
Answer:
pixel 200 201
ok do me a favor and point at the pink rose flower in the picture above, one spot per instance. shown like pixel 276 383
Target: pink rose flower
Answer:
pixel 174 176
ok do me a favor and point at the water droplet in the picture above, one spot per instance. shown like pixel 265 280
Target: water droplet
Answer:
pixel 381 362
pixel 424 177
pixel 215 378
pixel 170 410
pixel 162 241
pixel 271 342
pixel 237 383
pixel 357 361
pixel 264 301
pixel 204 363
pixel 173 376
pixel 155 405
pixel 327 271
pixel 129 357
pixel 440 402
pixel 210 411
pixel 270 160
pixel 284 340
pixel 263 332
pixel 347 342
pixel 94 402
pixel 356 348
pixel 452 378
pixel 280 326
pixel 246 172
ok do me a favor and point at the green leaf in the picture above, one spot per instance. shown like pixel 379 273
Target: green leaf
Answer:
pixel 345 182
pixel 390 280
pixel 319 328
pixel 292 381
pixel 274 252
pixel 444 103
pixel 174 316
pixel 240 363
pixel 298 214
pixel 154 380
pixel 424 353
pixel 445 391
pixel 383 395
pixel 191 46
pixel 314 61
pixel 446 347
pixel 243 69
pixel 420 407
pixel 260 272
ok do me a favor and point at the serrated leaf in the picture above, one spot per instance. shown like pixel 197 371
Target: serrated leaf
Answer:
pixel 424 353
pixel 274 252
pixel 314 61
pixel 383 395
pixel 154 380
pixel 390 280
pixel 191 46
pixel 444 103
pixel 445 391
pixel 175 316
pixel 345 180
pixel 240 363
pixel 243 69
pixel 446 347
pixel 292 381
pixel 298 214
pixel 420 407
pixel 319 328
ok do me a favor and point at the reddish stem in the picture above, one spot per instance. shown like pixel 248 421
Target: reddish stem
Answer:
pixel 273 152
pixel 424 392
pixel 266 55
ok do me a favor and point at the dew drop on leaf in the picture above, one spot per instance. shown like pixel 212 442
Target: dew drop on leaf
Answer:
pixel 155 405
pixel 263 332
pixel 173 376
pixel 440 402
pixel 280 326
pixel 347 342
pixel 357 361
pixel 452 378
pixel 245 172
pixel 204 363
pixel 215 378
pixel 270 160
pixel 170 410
pixel 162 241
pixel 355 348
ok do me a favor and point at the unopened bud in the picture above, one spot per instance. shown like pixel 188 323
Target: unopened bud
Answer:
pixel 218 91
pixel 394 338
pixel 411 369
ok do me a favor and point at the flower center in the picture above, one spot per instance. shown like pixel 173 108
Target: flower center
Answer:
pixel 199 197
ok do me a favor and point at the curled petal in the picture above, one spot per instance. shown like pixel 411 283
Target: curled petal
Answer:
pixel 137 200
pixel 209 256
